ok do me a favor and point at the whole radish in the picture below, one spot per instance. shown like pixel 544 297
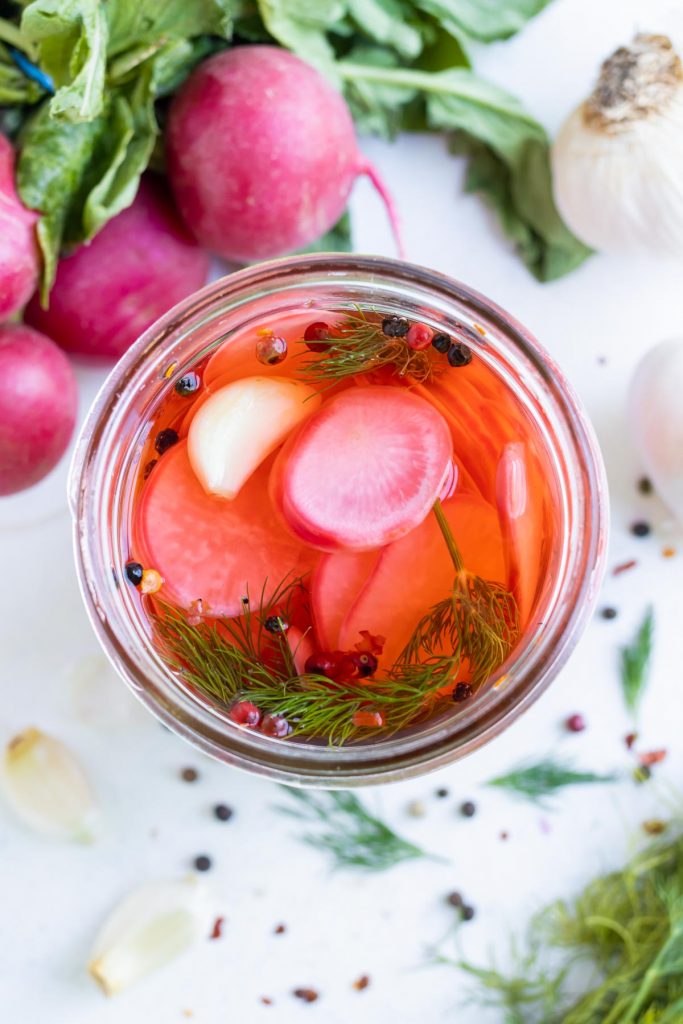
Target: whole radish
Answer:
pixel 38 402
pixel 111 290
pixel 262 154
pixel 18 248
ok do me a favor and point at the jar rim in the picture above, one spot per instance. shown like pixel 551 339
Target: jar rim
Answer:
pixel 527 674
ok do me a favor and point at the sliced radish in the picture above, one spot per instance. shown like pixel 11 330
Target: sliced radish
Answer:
pixel 335 585
pixel 520 506
pixel 416 572
pixel 240 425
pixel 364 471
pixel 209 549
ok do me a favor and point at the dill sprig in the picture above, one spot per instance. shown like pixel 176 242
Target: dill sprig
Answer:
pixel 635 663
pixel 627 926
pixel 537 782
pixel 359 345
pixel 346 830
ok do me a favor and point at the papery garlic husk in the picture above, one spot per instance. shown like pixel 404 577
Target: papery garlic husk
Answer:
pixel 47 787
pixel 618 160
pixel 656 417
pixel 154 924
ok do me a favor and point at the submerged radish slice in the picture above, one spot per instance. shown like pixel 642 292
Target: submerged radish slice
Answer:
pixel 335 585
pixel 239 425
pixel 416 572
pixel 364 471
pixel 210 549
pixel 521 516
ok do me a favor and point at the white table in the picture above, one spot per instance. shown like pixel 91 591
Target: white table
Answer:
pixel 339 926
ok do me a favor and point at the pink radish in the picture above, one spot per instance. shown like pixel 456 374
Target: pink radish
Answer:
pixel 109 291
pixel 262 154
pixel 364 470
pixel 335 585
pixel 416 572
pixel 38 402
pixel 18 248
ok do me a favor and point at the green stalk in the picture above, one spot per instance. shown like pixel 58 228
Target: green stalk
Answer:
pixel 453 548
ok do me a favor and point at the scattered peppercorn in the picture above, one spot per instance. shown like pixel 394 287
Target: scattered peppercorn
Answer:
pixel 609 613
pixel 462 691
pixel 308 995
pixel 459 354
pixel 202 862
pixel 416 809
pixel 442 343
pixel 276 726
pixel 148 468
pixel 642 773
pixel 165 439
pixel 395 326
pixel 266 1000
pixel 575 723
pixel 668 552
pixel 317 336
pixel 467 912
pixel 134 573
pixel 418 337
pixel 187 384
pixel 365 662
pixel 641 529
pixel 217 928
pixel 645 485
pixel 454 899
pixel 280 929
pixel 223 812
pixel 468 809
pixel 654 827
pixel 275 624
pixel 189 775
pixel 630 739
pixel 245 713
pixel 504 836
pixel 442 792
pixel 361 983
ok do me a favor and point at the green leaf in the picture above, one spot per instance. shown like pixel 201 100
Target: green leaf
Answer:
pixel 15 87
pixel 635 663
pixel 70 37
pixel 337 239
pixel 537 781
pixel 508 150
pixel 143 23
pixel 301 26
pixel 385 22
pixel 485 20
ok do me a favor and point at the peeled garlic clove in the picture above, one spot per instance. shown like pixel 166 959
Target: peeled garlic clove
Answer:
pixel 656 415
pixel 154 924
pixel 47 787
pixel 240 425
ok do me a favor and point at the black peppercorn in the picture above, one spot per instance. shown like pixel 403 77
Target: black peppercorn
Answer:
pixel 134 573
pixel 202 862
pixel 645 485
pixel 442 792
pixel 441 343
pixel 189 775
pixel 187 384
pixel 467 913
pixel 395 326
pixel 609 613
pixel 223 812
pixel 275 624
pixel 462 691
pixel 459 354
pixel 454 899
pixel 468 809
pixel 165 439
pixel 641 529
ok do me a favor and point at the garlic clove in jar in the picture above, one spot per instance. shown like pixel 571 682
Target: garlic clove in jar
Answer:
pixel 47 788
pixel 656 415
pixel 618 160
pixel 151 926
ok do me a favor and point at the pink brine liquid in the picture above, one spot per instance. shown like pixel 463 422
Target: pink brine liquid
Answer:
pixel 341 525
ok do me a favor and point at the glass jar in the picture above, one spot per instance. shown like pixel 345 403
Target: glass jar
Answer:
pixel 107 461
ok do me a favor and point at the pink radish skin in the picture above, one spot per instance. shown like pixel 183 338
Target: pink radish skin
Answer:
pixel 262 154
pixel 18 248
pixel 362 471
pixel 38 403
pixel 111 290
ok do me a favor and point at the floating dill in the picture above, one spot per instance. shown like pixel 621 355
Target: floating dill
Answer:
pixel 345 829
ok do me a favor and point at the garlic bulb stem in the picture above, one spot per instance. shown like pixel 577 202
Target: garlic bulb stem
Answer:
pixel 636 82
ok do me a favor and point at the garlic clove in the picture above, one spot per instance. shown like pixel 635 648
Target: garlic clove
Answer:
pixel 151 926
pixel 656 415
pixel 47 788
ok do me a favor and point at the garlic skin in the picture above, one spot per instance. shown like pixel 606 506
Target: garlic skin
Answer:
pixel 47 788
pixel 656 415
pixel 151 926
pixel 618 160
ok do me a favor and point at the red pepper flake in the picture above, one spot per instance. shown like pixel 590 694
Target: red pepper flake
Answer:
pixel 630 739
pixel 372 643
pixel 624 567
pixel 652 757
pixel 217 928
pixel 654 827
pixel 361 983
pixel 668 552
pixel 307 995
pixel 280 929
pixel 368 719
pixel 266 1000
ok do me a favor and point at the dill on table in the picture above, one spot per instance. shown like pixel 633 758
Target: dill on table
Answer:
pixel 537 782
pixel 345 829
pixel 626 927
pixel 635 663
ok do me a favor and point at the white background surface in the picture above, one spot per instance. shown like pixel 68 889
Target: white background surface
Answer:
pixel 339 926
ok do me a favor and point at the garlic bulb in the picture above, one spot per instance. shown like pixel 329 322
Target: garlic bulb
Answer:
pixel 618 159
pixel 656 414
pixel 152 925
pixel 47 788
